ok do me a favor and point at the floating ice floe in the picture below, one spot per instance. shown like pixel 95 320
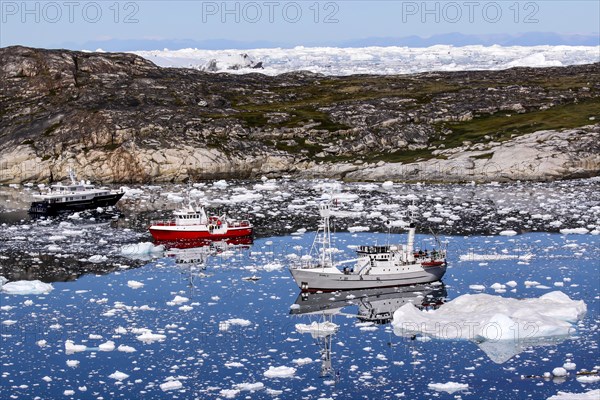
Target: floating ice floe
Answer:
pixel 135 284
pixel 494 257
pixel 318 329
pixel 449 387
pixel 142 250
pixel 71 347
pixel 508 232
pixel 171 385
pixel 108 346
pixel 27 287
pixel 226 325
pixel 249 387
pixel 500 325
pixel 574 231
pixel 358 229
pixel 149 337
pixel 118 376
pixel 589 395
pixel 280 372
pixel 126 349
pixel 272 266
pixel 302 361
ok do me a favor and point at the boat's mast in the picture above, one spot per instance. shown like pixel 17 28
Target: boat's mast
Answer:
pixel 325 256
pixel 410 244
pixel 72 176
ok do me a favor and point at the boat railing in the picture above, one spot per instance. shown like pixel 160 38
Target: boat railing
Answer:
pixel 239 224
pixel 163 223
pixel 373 249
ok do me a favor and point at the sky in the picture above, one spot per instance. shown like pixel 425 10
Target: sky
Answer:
pixel 85 24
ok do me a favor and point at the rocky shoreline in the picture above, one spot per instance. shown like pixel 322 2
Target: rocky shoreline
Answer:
pixel 118 118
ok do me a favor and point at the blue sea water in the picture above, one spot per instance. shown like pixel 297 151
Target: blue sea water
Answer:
pixel 210 356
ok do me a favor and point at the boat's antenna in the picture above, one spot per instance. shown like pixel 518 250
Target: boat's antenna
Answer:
pixel 72 175
pixel 388 225
pixel 436 238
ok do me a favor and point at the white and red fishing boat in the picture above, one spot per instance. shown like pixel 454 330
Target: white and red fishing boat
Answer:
pixel 191 223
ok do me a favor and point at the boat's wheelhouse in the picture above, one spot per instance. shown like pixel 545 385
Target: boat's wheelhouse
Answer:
pixel 190 217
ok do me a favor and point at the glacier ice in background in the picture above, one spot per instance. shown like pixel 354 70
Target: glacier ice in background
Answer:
pixel 373 60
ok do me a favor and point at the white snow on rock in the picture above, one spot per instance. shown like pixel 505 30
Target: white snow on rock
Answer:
pixel 27 287
pixel 483 317
pixel 3 280
pixel 280 372
pixel 449 387
pixel 589 395
pixel 508 232
pixel 118 375
pixel 318 329
pixel 171 385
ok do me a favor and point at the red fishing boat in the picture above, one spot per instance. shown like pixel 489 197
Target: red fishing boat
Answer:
pixel 191 223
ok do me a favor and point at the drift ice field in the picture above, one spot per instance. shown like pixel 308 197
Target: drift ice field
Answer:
pixel 91 308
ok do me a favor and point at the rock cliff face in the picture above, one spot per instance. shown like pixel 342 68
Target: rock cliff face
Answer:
pixel 120 118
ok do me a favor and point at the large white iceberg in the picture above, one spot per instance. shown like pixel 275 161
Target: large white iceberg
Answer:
pixel 500 325
pixel 589 395
pixel 27 287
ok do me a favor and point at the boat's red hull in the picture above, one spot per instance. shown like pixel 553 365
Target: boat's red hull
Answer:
pixel 190 235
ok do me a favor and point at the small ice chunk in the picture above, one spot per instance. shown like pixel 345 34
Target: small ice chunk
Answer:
pixel 149 337
pixel 108 346
pixel 302 361
pixel 71 348
pixel 280 372
pixel 559 372
pixel 449 387
pixel 125 349
pixel 171 385
pixel 118 375
pixel 135 284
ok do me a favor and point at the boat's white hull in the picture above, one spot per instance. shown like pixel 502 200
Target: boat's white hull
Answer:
pixel 314 279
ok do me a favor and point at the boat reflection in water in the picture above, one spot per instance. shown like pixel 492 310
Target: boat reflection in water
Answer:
pixel 192 256
pixel 374 305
